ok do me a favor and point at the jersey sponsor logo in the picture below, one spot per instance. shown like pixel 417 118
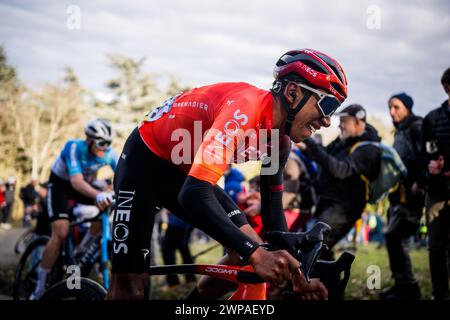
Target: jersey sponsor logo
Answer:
pixel 191 104
pixel 121 230
pixel 231 128
pixel 220 270
pixel 251 144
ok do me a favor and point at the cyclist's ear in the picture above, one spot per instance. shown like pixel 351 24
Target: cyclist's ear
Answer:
pixel 290 92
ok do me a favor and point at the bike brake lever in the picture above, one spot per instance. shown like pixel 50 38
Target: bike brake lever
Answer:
pixel 308 260
pixel 335 274
pixel 305 247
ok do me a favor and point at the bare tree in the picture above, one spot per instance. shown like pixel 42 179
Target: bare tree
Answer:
pixel 38 122
pixel 134 90
pixel 175 87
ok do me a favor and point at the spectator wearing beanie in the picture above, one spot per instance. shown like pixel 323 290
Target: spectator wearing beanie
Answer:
pixel 405 207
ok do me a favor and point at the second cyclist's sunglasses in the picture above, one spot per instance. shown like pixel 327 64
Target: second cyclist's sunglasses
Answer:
pixel 102 144
pixel 327 103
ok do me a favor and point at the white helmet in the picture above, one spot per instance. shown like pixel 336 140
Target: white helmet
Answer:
pixel 100 131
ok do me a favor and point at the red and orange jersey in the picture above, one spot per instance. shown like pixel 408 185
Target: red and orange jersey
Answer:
pixel 207 128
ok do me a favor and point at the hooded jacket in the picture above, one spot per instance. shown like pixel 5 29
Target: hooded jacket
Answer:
pixel 340 171
pixel 435 143
pixel 407 142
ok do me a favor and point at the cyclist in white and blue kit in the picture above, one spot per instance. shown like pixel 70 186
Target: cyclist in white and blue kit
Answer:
pixel 71 178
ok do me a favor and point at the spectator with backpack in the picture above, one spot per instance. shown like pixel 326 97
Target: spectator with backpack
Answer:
pixel 344 173
pixel 405 207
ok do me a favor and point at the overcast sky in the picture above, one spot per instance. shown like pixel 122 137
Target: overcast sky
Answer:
pixel 201 42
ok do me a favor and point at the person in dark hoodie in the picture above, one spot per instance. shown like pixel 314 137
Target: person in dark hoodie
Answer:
pixel 405 208
pixel 435 179
pixel 342 191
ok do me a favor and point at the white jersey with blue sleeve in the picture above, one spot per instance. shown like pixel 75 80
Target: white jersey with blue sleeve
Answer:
pixel 75 158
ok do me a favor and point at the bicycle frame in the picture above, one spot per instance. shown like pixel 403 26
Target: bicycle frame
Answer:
pixel 334 274
pixel 106 237
pixel 250 285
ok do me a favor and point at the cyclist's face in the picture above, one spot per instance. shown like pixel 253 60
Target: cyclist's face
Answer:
pixel 100 153
pixel 308 120
pixel 397 110
pixel 349 127
pixel 446 87
pixel 43 192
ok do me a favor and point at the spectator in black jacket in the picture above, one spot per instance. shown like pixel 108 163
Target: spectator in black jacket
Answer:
pixel 43 227
pixel 405 208
pixel 29 196
pixel 342 192
pixel 435 151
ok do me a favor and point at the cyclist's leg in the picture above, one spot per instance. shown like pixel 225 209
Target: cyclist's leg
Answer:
pixel 59 214
pixel 132 231
pixel 60 230
pixel 134 183
pixel 85 209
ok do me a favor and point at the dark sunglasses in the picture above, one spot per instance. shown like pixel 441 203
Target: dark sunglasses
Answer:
pixel 327 103
pixel 102 144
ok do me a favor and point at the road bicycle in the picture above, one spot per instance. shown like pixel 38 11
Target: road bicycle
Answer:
pixel 23 241
pixel 97 252
pixel 304 246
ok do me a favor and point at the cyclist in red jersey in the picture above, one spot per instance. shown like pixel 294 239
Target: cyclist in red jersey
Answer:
pixel 178 153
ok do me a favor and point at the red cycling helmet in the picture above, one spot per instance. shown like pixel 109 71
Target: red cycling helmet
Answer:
pixel 315 67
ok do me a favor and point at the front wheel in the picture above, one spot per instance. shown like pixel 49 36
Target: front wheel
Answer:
pixel 88 290
pixel 26 271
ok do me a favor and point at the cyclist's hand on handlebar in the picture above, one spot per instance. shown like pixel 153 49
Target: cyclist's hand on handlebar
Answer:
pixel 314 290
pixel 104 199
pixel 275 267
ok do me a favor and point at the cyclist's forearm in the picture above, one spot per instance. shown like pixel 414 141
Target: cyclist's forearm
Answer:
pixel 271 186
pixel 272 212
pixel 234 213
pixel 200 203
pixel 80 185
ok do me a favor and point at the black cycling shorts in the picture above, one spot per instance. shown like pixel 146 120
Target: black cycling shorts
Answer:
pixel 60 192
pixel 143 183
